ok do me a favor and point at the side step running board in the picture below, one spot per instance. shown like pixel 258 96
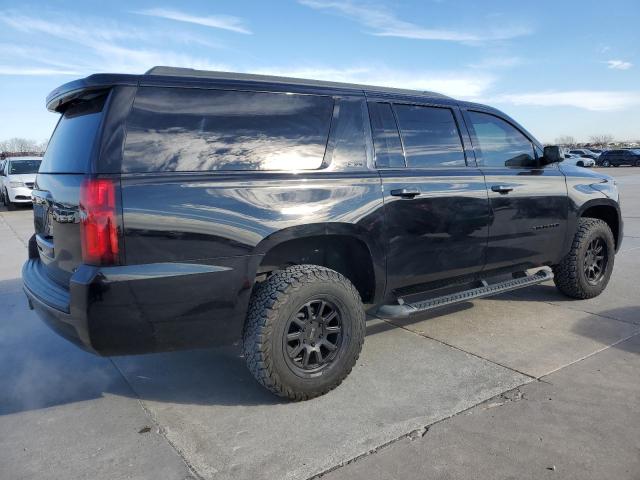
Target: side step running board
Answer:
pixel 402 309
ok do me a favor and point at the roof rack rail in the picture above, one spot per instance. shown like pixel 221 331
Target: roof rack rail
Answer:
pixel 216 75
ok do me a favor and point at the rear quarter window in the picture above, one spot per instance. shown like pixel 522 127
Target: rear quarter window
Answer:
pixel 189 129
pixel 71 145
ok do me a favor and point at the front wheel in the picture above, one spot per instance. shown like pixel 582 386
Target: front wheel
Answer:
pixel 606 163
pixel 637 163
pixel 304 331
pixel 7 201
pixel 585 271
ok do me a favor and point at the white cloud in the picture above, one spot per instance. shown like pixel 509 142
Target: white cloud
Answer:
pixel 384 23
pixel 619 65
pixel 90 46
pixel 455 84
pixel 595 100
pixel 224 22
pixel 11 70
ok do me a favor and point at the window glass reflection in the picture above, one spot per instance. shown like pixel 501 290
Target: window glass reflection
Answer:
pixel 386 140
pixel 191 129
pixel 349 150
pixel 501 144
pixel 430 136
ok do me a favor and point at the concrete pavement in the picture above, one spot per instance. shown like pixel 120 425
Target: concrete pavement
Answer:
pixel 478 373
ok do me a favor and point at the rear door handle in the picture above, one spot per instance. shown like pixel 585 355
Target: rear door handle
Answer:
pixel 406 192
pixel 501 188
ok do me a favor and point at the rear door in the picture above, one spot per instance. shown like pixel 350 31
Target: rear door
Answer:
pixel 529 202
pixel 436 207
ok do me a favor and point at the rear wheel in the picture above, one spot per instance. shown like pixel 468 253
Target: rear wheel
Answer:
pixel 637 163
pixel 580 164
pixel 585 271
pixel 304 331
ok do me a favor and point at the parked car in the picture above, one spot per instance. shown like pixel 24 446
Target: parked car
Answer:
pixel 583 152
pixel 183 208
pixel 577 160
pixel 16 181
pixel 615 158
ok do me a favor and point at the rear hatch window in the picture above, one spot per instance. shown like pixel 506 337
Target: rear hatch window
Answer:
pixel 70 147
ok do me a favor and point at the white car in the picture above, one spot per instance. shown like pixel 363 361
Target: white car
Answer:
pixel 577 160
pixel 18 177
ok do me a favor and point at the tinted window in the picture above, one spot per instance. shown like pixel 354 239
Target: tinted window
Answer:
pixel 386 140
pixel 189 129
pixel 17 167
pixel 69 150
pixel 349 149
pixel 430 136
pixel 499 143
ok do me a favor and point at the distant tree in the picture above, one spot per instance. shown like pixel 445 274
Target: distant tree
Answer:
pixel 42 146
pixel 22 145
pixel 601 139
pixel 566 140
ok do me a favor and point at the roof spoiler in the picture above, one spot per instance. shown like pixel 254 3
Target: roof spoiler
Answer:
pixel 87 87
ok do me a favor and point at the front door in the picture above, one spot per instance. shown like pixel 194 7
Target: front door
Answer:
pixel 436 207
pixel 529 203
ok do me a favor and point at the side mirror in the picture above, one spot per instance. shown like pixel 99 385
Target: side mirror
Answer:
pixel 552 154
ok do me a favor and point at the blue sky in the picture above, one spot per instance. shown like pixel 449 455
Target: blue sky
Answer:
pixel 558 67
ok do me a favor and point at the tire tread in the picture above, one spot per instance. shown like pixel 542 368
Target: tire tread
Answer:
pixel 263 313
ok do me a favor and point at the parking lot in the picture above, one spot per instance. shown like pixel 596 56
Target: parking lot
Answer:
pixel 528 384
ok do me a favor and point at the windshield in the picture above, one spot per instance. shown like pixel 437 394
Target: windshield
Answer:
pixel 18 167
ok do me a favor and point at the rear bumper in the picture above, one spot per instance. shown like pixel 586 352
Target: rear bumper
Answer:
pixel 144 308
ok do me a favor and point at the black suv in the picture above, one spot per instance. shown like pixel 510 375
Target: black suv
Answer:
pixel 615 158
pixel 182 209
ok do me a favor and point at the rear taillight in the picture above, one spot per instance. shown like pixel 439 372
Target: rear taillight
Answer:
pixel 98 222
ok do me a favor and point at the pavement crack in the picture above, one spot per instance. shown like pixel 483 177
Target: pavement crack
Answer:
pixel 13 230
pixel 424 335
pixel 606 347
pixel 160 430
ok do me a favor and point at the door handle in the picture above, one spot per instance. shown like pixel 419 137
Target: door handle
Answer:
pixel 406 192
pixel 501 188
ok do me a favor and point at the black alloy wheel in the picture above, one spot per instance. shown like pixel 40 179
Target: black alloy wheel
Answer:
pixel 313 336
pixel 595 261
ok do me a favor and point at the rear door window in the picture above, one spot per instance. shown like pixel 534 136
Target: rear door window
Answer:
pixel 71 145
pixel 386 140
pixel 189 129
pixel 430 136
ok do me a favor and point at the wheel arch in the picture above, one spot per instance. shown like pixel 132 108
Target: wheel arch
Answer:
pixel 345 248
pixel 608 211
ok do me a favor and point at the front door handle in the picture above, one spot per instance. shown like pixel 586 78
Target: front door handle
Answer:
pixel 501 188
pixel 406 192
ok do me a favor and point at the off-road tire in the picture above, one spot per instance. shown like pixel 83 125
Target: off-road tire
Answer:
pixel 272 304
pixel 569 275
